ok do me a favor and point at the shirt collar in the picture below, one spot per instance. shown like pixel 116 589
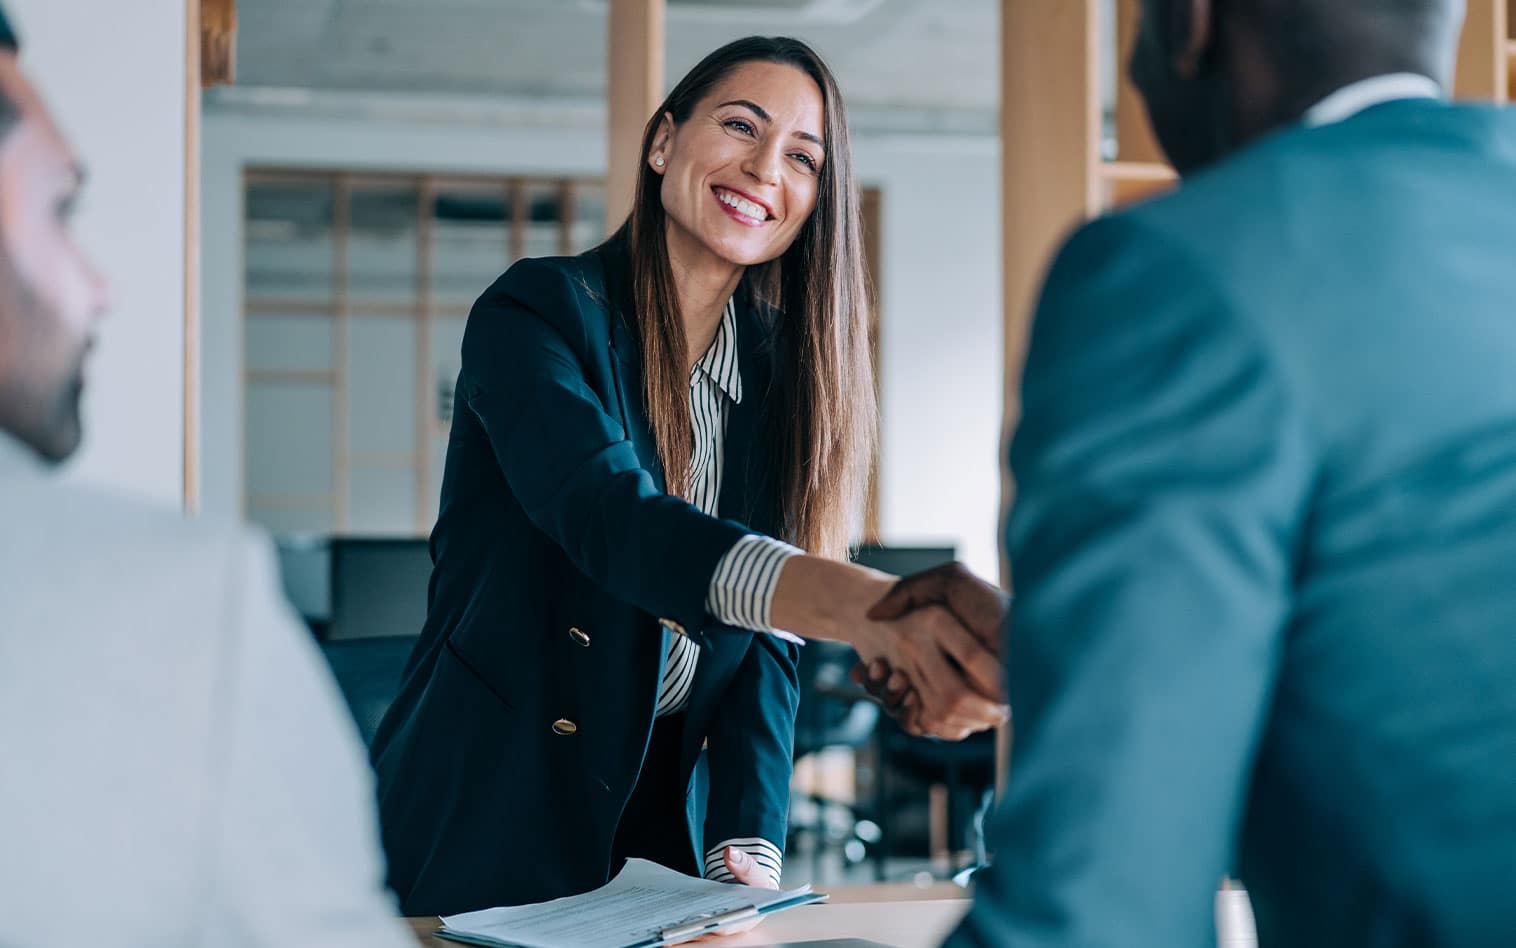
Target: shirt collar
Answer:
pixel 1367 93
pixel 719 364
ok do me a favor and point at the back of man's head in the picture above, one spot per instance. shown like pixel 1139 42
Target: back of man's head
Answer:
pixel 1218 73
pixel 51 298
pixel 1326 37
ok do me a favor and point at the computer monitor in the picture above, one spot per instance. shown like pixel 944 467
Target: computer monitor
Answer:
pixel 305 569
pixel 904 560
pixel 379 587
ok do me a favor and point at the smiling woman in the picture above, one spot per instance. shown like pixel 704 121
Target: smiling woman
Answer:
pixel 743 140
pixel 651 429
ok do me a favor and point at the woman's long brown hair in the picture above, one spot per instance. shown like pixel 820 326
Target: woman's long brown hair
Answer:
pixel 825 392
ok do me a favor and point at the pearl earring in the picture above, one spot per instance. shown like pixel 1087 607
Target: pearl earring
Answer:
pixel 658 161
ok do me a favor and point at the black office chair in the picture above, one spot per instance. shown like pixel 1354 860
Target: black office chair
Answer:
pixel 833 713
pixel 966 770
pixel 368 671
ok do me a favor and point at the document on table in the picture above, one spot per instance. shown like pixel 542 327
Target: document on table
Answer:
pixel 645 905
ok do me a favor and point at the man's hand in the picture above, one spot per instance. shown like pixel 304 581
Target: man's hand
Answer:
pixel 953 673
pixel 954 680
pixel 978 606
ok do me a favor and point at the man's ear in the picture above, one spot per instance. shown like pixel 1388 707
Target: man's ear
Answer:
pixel 1192 33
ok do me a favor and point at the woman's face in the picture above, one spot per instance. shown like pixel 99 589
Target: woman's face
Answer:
pixel 741 174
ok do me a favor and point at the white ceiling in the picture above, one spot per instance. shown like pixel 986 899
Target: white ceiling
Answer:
pixel 921 56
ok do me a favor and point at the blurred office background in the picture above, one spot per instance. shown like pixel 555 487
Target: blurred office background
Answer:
pixel 297 201
pixel 378 163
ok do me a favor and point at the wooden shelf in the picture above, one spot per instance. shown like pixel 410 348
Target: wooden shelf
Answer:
pixel 1137 171
pixel 1128 181
pixel 1510 65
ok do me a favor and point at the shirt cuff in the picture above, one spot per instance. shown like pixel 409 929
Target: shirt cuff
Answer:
pixel 770 861
pixel 742 588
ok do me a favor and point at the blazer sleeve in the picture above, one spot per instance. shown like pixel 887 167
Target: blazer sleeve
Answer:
pixel 568 460
pixel 751 742
pixel 1163 471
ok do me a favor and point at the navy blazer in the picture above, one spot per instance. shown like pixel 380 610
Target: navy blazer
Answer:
pixel 556 552
pixel 1265 555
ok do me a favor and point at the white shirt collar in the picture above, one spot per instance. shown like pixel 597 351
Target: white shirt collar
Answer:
pixel 1367 93
pixel 719 363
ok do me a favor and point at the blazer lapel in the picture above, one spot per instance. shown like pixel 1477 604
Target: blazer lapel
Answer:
pixel 747 476
pixel 627 364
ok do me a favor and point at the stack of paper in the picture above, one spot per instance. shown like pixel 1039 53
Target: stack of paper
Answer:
pixel 645 905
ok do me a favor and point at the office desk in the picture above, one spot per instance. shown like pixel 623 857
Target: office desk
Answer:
pixel 855 912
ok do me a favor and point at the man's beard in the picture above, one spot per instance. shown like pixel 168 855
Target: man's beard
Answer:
pixel 44 412
pixel 63 423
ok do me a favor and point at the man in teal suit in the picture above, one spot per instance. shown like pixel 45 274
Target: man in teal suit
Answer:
pixel 1265 536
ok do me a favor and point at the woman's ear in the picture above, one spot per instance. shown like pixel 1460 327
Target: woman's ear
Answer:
pixel 657 158
pixel 1192 32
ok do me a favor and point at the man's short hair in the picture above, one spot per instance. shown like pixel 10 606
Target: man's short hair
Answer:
pixel 7 35
pixel 10 112
pixel 1293 16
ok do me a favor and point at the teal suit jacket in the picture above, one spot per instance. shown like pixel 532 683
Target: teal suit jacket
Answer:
pixel 1264 549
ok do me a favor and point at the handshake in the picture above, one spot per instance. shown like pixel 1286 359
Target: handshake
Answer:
pixel 929 645
pixel 939 673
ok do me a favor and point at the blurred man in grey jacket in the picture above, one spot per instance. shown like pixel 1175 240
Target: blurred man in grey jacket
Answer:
pixel 176 766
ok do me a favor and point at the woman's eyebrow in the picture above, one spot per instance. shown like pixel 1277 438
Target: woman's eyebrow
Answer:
pixel 758 110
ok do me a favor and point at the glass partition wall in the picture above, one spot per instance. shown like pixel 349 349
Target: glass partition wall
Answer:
pixel 357 289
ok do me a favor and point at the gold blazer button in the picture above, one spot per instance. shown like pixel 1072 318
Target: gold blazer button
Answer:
pixel 579 636
pixel 564 726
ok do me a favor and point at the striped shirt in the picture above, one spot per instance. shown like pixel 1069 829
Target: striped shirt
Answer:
pixel 742 588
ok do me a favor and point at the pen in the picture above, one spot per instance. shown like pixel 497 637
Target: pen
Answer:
pixel 709 922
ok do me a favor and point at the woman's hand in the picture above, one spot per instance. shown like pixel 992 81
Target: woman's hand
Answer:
pixel 980 606
pixel 952 683
pixel 954 675
pixel 745 871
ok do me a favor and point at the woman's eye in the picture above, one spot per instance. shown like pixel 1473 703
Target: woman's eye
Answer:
pixel 745 128
pixel 805 159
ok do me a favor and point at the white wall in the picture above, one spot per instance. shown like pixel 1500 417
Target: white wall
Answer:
pixel 941 357
pixel 941 335
pixel 114 76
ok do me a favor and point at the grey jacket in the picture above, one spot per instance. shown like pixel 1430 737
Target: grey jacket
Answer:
pixel 176 765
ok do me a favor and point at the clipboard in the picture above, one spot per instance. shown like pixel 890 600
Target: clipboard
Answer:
pixel 645 906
